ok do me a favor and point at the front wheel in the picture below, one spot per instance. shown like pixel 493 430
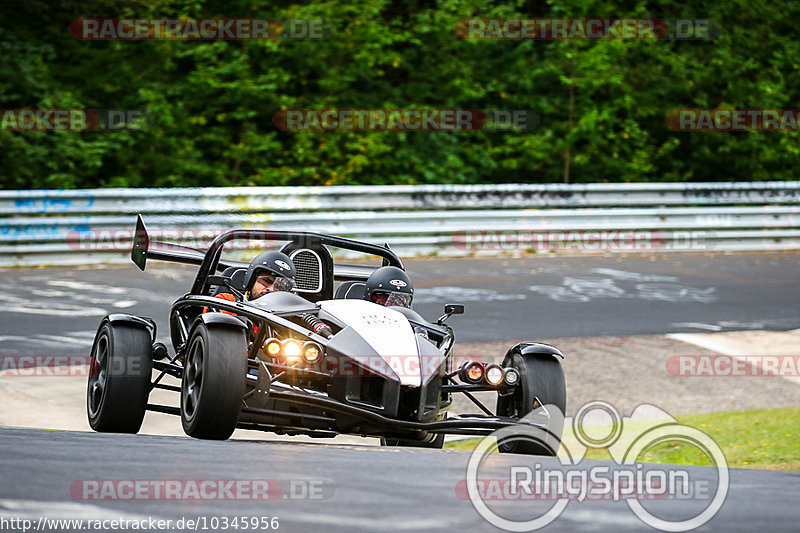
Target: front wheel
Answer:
pixel 213 383
pixel 541 384
pixel 120 369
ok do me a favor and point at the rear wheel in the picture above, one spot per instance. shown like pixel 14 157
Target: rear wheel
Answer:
pixel 120 369
pixel 213 383
pixel 541 384
pixel 433 440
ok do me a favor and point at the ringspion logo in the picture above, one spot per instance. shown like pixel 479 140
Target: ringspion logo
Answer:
pixel 687 497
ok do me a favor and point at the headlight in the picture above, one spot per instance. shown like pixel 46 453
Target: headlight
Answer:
pixel 311 352
pixel 494 375
pixel 471 372
pixel 291 351
pixel 272 347
pixel 511 376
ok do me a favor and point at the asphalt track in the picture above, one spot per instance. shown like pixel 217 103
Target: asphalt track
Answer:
pixel 357 488
pixel 55 311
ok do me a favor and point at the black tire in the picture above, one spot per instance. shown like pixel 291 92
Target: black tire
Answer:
pixel 213 383
pixel 120 370
pixel 434 440
pixel 542 378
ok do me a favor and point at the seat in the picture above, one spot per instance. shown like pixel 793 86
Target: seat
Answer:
pixel 237 280
pixel 351 290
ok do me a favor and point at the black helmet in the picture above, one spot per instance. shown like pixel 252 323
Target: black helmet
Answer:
pixel 275 263
pixel 389 286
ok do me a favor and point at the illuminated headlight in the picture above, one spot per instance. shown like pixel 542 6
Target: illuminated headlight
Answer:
pixel 272 347
pixel 471 372
pixel 511 376
pixel 494 375
pixel 292 351
pixel 311 352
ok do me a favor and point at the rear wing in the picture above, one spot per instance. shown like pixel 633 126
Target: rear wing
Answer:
pixel 144 249
pixel 210 261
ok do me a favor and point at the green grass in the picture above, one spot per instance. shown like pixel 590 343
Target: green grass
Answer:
pixel 765 438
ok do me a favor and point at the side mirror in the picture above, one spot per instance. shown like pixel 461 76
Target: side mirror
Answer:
pixel 454 309
pixel 451 309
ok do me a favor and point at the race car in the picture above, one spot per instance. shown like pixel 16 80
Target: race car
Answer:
pixel 315 361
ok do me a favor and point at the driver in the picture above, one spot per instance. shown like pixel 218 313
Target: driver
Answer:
pixel 389 286
pixel 267 272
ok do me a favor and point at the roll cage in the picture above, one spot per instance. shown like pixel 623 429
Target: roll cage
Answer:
pixel 211 260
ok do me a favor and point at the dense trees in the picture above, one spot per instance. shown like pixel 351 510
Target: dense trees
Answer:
pixel 602 104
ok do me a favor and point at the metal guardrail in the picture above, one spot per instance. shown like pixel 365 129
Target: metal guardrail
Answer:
pixel 88 226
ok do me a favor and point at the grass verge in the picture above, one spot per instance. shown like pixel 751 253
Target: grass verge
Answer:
pixel 764 438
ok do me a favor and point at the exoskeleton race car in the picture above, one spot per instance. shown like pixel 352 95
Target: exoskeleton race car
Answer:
pixel 319 360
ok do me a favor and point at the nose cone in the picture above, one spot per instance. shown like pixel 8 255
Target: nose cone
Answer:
pixel 387 333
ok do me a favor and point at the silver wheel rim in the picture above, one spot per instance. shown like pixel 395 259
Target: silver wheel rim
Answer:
pixel 98 367
pixel 193 379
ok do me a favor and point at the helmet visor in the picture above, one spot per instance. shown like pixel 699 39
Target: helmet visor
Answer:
pixel 283 284
pixel 275 283
pixel 387 298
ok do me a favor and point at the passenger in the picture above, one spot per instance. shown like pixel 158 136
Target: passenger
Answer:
pixel 389 286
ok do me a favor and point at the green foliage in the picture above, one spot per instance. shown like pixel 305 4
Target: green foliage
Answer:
pixel 210 103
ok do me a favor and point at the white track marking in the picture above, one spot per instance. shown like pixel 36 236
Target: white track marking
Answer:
pixel 50 293
pixel 632 276
pixel 4 338
pixel 398 522
pixel 123 304
pixel 697 325
pixel 17 304
pixel 33 509
pixel 598 520
pixel 40 308
pixel 84 286
pixel 722 344
pixel 435 294
pixel 64 339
